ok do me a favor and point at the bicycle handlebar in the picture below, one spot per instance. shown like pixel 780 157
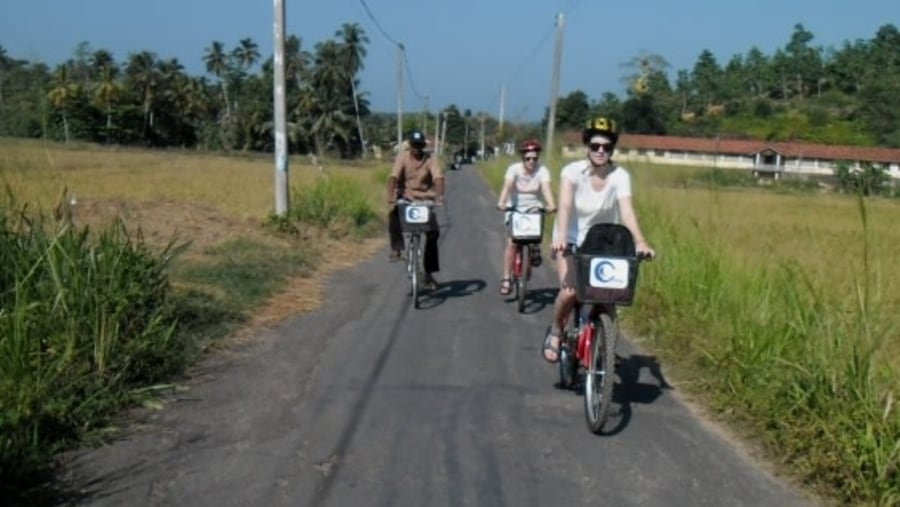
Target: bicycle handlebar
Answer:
pixel 425 202
pixel 533 209
pixel 570 250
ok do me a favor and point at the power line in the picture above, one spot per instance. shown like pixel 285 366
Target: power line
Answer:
pixel 412 83
pixel 409 74
pixel 377 24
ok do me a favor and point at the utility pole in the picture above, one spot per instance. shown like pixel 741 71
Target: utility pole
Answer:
pixel 400 50
pixel 437 133
pixel 444 132
pixel 502 107
pixel 280 120
pixel 481 120
pixel 425 118
pixel 554 85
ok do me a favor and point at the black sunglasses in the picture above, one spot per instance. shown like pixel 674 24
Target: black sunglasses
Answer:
pixel 607 147
pixel 530 159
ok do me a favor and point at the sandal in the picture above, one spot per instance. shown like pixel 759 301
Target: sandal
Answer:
pixel 505 287
pixel 548 347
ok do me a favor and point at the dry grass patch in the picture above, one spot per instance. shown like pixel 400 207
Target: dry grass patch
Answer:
pixel 207 199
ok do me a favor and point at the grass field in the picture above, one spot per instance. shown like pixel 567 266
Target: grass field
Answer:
pixel 120 266
pixel 776 309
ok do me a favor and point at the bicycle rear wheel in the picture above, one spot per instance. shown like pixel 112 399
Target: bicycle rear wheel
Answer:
pixel 524 262
pixel 599 379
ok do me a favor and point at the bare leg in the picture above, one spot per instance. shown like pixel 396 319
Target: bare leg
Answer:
pixel 508 257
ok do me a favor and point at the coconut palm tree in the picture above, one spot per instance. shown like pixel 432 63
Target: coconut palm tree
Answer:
pixel 296 62
pixel 107 92
pixel 6 64
pixel 62 95
pixel 143 75
pixel 218 65
pixel 246 54
pixel 352 54
pixel 329 79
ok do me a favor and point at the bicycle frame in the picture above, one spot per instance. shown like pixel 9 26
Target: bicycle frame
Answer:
pixel 521 268
pixel 414 239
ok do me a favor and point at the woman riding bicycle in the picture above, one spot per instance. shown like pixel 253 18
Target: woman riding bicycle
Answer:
pixel 524 184
pixel 591 191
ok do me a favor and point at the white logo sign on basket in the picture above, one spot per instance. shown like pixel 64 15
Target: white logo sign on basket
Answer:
pixel 526 225
pixel 609 273
pixel 417 214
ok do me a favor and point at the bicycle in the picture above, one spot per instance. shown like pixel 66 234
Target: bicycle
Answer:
pixel 415 221
pixel 588 344
pixel 526 231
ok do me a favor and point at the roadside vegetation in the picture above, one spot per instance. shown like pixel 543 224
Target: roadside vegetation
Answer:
pixel 777 311
pixel 118 268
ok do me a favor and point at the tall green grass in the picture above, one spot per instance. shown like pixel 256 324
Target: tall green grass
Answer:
pixel 803 367
pixel 83 320
pixel 339 204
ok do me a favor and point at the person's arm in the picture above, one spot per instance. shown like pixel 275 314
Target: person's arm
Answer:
pixel 439 191
pixel 629 219
pixel 547 191
pixel 504 193
pixel 394 179
pixel 437 176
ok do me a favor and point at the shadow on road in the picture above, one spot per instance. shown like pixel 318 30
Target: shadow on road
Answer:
pixel 536 299
pixel 451 289
pixel 629 389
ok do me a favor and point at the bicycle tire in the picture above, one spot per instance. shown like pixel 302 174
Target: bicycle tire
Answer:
pixel 568 360
pixel 522 279
pixel 599 378
pixel 413 266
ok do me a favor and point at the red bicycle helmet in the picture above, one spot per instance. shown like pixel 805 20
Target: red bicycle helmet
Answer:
pixel 530 145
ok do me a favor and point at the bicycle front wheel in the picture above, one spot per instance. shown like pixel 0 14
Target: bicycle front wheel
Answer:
pixel 412 259
pixel 522 279
pixel 599 378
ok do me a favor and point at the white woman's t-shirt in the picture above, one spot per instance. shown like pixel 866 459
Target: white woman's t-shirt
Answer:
pixel 589 206
pixel 526 189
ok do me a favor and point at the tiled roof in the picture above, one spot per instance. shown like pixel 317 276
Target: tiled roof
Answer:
pixel 751 147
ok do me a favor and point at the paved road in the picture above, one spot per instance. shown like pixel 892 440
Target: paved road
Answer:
pixel 371 402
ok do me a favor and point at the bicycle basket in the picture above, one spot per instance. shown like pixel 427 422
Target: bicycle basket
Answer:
pixel 526 227
pixel 605 279
pixel 606 268
pixel 415 217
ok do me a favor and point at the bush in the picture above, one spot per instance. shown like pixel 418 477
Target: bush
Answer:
pixel 83 319
pixel 870 179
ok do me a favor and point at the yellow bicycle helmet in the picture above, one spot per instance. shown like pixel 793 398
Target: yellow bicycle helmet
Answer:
pixel 602 126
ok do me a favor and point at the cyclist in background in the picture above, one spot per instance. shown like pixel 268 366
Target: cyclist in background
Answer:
pixel 524 185
pixel 593 190
pixel 415 176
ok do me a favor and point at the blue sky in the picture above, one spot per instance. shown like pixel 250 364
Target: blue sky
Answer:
pixel 458 51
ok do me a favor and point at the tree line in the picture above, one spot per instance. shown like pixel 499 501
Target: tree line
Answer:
pixel 801 92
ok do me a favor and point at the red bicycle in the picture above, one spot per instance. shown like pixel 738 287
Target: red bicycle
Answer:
pixel 588 344
pixel 526 230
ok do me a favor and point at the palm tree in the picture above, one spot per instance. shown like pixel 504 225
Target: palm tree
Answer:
pixel 218 65
pixel 246 54
pixel 106 93
pixel 144 76
pixel 352 53
pixel 6 64
pixel 296 61
pixel 329 85
pixel 61 96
